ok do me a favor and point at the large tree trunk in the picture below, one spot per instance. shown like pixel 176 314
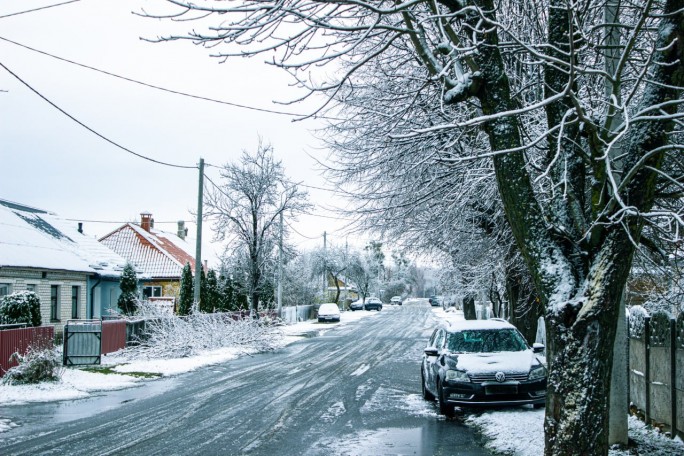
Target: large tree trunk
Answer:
pixel 581 294
pixel 580 337
pixel 469 312
pixel 524 305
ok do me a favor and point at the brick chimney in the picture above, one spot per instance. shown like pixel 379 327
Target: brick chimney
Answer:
pixel 146 221
pixel 182 230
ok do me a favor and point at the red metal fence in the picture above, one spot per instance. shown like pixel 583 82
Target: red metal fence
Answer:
pixel 113 335
pixel 19 340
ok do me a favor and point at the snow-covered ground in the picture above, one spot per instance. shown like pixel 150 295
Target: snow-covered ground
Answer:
pixel 519 431
pixel 516 431
pixel 77 383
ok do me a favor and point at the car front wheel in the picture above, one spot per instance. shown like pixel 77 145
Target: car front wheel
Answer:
pixel 444 408
pixel 427 395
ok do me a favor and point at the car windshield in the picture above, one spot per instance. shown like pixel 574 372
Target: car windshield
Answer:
pixel 485 340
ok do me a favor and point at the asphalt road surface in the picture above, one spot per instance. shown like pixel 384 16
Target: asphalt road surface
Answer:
pixel 354 390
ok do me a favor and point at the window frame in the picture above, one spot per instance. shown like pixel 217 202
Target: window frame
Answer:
pixel 75 301
pixel 55 302
pixel 152 294
pixel 7 286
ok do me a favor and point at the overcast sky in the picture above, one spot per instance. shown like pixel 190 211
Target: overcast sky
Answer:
pixel 51 162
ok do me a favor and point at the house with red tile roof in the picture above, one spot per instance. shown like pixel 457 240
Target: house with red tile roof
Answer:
pixel 157 255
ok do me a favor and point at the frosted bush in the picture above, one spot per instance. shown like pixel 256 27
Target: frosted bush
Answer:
pixel 37 365
pixel 20 307
pixel 169 336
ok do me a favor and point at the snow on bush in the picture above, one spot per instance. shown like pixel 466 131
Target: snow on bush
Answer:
pixel 20 307
pixel 37 365
pixel 174 337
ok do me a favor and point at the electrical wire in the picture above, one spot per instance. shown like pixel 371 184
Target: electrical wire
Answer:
pixel 302 235
pixel 101 136
pixel 145 84
pixel 38 9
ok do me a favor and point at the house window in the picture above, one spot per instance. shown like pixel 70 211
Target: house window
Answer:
pixel 54 302
pixel 31 287
pixel 151 292
pixel 5 289
pixel 75 295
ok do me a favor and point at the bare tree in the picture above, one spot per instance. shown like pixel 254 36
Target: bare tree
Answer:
pixel 332 262
pixel 584 154
pixel 365 268
pixel 246 208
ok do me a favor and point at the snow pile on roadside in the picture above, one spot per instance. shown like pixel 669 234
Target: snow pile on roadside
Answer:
pixel 520 432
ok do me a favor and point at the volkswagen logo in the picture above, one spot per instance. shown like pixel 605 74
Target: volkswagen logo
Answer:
pixel 500 377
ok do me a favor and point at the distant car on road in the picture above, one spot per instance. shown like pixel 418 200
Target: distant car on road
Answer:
pixel 373 304
pixel 482 362
pixel 328 312
pixel 356 305
pixel 396 300
pixel 434 301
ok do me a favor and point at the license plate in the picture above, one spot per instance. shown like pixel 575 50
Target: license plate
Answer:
pixel 501 389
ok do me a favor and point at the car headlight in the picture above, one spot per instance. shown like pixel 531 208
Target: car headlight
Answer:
pixel 457 376
pixel 537 373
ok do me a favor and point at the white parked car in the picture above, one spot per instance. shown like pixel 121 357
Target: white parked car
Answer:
pixel 328 312
pixel 396 300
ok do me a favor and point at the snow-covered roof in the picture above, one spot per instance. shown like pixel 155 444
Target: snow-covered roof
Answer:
pixel 154 253
pixel 35 238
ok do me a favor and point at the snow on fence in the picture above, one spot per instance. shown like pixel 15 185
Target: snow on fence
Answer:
pixel 296 314
pixel 19 340
pixel 656 368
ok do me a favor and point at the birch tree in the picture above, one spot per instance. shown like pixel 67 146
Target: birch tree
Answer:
pixel 584 154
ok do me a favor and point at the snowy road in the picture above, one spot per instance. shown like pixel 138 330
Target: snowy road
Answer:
pixel 353 391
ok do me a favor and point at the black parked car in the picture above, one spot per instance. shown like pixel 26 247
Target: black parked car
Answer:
pixel 373 304
pixel 482 362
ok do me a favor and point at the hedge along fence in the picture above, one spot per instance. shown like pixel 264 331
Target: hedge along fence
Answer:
pixel 656 368
pixel 19 340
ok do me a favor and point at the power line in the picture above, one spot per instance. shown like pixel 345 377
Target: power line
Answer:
pixel 145 84
pixel 302 235
pixel 38 9
pixel 300 184
pixel 303 185
pixel 91 130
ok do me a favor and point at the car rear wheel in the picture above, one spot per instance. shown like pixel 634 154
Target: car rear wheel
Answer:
pixel 427 395
pixel 538 406
pixel 444 408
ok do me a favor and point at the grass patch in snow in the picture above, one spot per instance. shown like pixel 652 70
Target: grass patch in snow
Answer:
pixel 111 370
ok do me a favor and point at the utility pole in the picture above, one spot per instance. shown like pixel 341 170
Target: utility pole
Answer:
pixel 325 267
pixel 280 268
pixel 198 244
pixel 346 266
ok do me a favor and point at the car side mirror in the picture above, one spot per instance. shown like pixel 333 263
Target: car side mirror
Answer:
pixel 431 351
pixel 538 348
